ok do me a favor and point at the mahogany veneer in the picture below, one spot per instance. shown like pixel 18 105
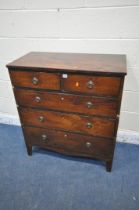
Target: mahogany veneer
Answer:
pixel 69 102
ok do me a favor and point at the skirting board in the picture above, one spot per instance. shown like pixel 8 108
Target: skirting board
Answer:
pixel 122 135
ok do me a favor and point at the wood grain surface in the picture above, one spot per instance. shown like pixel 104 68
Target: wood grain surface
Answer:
pixel 44 80
pixel 72 62
pixel 67 102
pixel 69 143
pixel 70 122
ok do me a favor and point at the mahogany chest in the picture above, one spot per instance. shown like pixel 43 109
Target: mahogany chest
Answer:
pixel 69 102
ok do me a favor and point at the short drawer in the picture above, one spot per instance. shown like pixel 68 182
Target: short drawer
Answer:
pixel 97 85
pixel 40 80
pixel 73 144
pixel 67 102
pixel 72 122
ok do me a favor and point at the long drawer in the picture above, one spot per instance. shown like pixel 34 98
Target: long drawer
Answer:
pixel 74 144
pixel 42 80
pixel 67 102
pixel 72 122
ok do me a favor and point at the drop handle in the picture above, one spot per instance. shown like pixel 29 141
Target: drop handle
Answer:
pixel 41 118
pixel 90 84
pixel 37 99
pixel 89 104
pixel 35 80
pixel 44 137
pixel 89 125
pixel 88 144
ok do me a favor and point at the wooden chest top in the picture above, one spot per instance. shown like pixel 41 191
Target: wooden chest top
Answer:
pixel 73 62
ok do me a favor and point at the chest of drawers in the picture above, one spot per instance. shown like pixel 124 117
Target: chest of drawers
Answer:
pixel 69 103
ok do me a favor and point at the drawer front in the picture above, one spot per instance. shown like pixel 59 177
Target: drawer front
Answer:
pixel 75 144
pixel 105 86
pixel 67 102
pixel 40 80
pixel 78 123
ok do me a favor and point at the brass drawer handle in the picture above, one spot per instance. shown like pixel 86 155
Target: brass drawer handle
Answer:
pixel 37 99
pixel 89 104
pixel 44 137
pixel 90 84
pixel 41 118
pixel 35 80
pixel 89 125
pixel 88 144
